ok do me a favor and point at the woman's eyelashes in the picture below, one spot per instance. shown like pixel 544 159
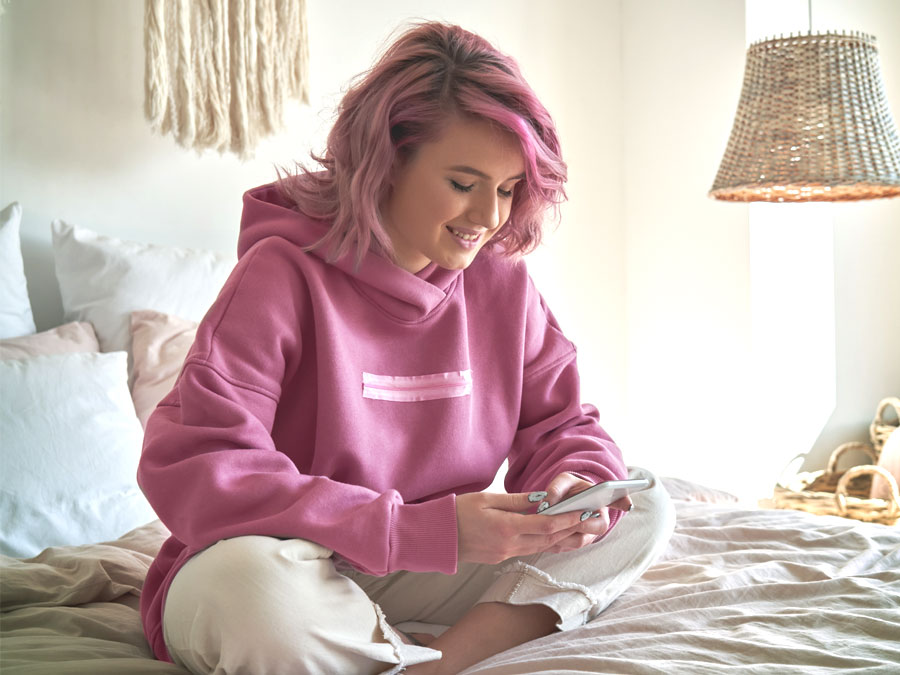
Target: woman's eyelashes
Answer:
pixel 459 187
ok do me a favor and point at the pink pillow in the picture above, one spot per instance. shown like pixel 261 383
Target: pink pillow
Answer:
pixel 159 345
pixel 77 336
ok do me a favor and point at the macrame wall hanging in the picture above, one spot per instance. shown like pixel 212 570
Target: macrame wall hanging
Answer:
pixel 218 71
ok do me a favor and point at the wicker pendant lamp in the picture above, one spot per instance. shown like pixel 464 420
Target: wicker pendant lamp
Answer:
pixel 812 124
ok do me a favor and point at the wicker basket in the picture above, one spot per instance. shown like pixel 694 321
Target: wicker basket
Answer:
pixel 842 493
pixel 880 428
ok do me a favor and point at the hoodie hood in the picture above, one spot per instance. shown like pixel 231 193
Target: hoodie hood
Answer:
pixel 407 297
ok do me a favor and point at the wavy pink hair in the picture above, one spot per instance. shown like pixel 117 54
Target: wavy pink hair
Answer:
pixel 431 72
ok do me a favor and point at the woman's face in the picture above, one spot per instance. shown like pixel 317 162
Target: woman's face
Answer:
pixel 452 195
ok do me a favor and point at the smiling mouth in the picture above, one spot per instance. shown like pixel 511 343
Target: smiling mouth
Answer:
pixel 464 236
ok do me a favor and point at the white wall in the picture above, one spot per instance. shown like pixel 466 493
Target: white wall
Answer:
pixel 866 260
pixel 687 255
pixel 848 317
pixel 74 143
pixel 692 406
pixel 647 275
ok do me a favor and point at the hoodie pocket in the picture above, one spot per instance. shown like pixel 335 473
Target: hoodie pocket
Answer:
pixel 417 387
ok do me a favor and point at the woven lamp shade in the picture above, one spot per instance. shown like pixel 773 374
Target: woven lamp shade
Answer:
pixel 812 124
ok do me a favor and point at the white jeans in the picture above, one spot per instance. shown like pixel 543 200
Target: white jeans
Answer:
pixel 260 605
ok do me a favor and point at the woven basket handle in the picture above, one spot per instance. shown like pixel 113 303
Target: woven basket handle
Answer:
pixel 889 402
pixel 841 449
pixel 840 492
pixel 880 428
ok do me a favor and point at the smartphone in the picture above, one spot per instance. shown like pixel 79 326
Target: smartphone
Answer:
pixel 598 496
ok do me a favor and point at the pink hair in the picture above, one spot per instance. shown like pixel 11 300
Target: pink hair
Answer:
pixel 431 72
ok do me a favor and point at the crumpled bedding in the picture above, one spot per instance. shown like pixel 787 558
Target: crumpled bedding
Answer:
pixel 73 610
pixel 739 590
pixel 742 591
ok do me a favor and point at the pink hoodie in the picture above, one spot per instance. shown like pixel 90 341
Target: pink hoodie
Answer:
pixel 351 407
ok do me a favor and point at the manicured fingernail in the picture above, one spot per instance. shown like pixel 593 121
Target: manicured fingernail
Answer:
pixel 536 496
pixel 543 507
pixel 586 515
pixel 596 515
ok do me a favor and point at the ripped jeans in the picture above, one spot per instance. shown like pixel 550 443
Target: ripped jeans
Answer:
pixel 261 605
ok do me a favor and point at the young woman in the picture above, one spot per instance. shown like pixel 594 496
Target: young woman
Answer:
pixel 376 355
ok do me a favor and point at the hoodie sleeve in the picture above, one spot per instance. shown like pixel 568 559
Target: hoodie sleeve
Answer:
pixel 210 468
pixel 556 432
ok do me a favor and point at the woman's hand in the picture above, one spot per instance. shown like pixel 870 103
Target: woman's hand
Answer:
pixel 566 485
pixel 495 527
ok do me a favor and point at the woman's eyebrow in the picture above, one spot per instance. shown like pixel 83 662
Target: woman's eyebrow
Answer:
pixel 481 174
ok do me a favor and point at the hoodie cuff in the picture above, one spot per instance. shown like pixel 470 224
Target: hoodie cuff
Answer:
pixel 424 537
pixel 614 517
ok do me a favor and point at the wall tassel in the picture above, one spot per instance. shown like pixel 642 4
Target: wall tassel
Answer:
pixel 218 71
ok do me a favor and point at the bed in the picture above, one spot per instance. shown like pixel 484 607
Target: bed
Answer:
pixel 739 588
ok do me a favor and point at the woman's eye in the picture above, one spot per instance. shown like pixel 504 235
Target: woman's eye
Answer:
pixel 506 194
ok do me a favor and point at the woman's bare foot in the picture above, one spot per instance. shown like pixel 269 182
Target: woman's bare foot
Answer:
pixel 486 629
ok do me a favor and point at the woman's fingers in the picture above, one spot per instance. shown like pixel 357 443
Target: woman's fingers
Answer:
pixel 518 502
pixel 586 532
pixel 572 543
pixel 494 527
pixel 565 485
pixel 579 534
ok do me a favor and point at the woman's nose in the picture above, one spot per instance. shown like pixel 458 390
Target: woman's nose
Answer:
pixel 486 212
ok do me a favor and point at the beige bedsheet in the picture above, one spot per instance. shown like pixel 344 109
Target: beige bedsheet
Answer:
pixel 738 591
pixel 73 610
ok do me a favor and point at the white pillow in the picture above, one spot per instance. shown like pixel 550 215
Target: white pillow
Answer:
pixel 103 279
pixel 689 491
pixel 71 444
pixel 15 308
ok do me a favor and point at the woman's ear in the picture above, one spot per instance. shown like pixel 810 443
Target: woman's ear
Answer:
pixel 396 166
pixel 402 158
